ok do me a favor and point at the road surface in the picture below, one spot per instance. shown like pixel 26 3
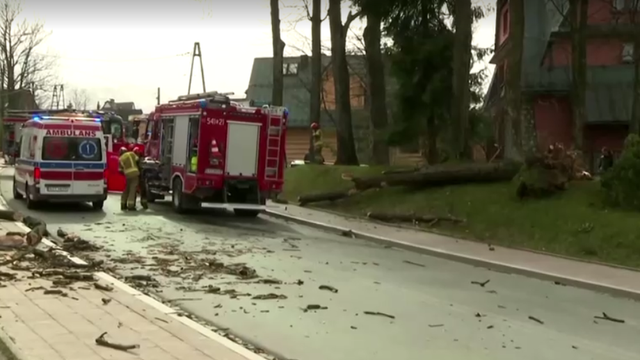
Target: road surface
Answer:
pixel 437 312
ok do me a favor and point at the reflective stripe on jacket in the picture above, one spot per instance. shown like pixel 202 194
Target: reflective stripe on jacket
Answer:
pixel 128 162
pixel 317 137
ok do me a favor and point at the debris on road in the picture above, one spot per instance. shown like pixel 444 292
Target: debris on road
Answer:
pixel 328 288
pixel 102 287
pixel 106 301
pixel 269 281
pixel 377 313
pixel 609 318
pixel 73 243
pixel 536 320
pixel 413 263
pixel 270 296
pixel 481 284
pixel 435 325
pixel 101 341
pixel 314 307
pixel 16 240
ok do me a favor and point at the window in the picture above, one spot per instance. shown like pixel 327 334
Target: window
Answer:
pixel 290 69
pixel 627 52
pixel 505 22
pixel 55 148
pixel 194 127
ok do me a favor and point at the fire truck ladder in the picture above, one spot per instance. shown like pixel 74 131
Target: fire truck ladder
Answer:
pixel 274 139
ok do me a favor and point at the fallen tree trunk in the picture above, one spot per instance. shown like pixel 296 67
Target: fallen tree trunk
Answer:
pixel 412 218
pixel 442 176
pixel 319 197
pixel 37 226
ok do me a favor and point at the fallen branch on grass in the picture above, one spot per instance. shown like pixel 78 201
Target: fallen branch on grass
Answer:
pixel 328 196
pixel 412 218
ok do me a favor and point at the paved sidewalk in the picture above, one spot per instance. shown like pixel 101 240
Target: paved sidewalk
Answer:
pixel 612 280
pixel 36 326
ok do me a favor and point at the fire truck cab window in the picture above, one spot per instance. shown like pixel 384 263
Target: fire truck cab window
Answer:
pixel 116 129
pixel 194 127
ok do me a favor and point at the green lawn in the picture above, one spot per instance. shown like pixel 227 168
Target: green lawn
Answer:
pixel 574 223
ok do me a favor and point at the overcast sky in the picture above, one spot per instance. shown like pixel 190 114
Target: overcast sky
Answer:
pixel 125 50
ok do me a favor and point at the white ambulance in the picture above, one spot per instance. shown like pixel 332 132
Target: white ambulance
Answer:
pixel 61 159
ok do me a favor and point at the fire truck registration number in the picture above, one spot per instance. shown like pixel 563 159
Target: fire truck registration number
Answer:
pixel 215 121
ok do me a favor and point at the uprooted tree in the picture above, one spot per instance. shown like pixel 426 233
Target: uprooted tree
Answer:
pixel 547 173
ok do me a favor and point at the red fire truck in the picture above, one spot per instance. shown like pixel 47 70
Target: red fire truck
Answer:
pixel 207 152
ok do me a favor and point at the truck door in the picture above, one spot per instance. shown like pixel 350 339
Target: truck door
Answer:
pixel 166 146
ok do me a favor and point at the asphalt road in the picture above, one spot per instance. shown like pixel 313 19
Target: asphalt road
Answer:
pixel 438 313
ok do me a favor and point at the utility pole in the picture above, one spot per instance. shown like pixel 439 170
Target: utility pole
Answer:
pixel 196 53
pixel 57 96
pixel 158 97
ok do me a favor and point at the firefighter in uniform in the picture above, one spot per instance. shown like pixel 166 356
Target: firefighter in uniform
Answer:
pixel 142 184
pixel 128 164
pixel 316 135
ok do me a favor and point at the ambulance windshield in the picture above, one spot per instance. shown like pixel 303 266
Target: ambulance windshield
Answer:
pixel 59 148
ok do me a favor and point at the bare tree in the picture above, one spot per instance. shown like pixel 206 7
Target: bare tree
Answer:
pixel 347 154
pixel 277 92
pixel 23 68
pixel 80 99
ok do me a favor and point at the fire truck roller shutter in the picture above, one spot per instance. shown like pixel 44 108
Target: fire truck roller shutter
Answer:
pixel 242 148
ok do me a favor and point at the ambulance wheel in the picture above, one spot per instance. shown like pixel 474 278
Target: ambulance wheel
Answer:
pixel 97 205
pixel 177 197
pixel 16 193
pixel 31 204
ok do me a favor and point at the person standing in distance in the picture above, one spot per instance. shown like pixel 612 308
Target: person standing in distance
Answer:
pixel 128 165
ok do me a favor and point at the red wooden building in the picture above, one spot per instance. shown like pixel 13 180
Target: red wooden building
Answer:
pixel 546 73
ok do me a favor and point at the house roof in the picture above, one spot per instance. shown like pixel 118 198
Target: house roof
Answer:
pixel 296 87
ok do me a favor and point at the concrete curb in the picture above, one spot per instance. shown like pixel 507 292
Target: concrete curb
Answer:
pixel 7 345
pixel 202 330
pixel 469 260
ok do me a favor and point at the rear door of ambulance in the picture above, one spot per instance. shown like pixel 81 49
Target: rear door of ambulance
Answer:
pixel 89 155
pixel 73 164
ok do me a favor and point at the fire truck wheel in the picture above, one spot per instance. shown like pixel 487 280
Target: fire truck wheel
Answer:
pixel 177 197
pixel 16 194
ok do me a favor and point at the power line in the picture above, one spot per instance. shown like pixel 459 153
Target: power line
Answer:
pixel 120 60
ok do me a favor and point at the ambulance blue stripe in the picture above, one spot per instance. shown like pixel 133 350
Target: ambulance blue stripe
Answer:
pixel 68 165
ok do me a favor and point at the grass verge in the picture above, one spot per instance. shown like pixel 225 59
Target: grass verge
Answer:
pixel 574 223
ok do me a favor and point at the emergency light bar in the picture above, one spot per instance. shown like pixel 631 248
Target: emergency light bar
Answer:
pixel 213 95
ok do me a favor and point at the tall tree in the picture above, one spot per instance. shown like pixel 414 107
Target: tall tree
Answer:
pixel 634 125
pixel 315 91
pixel 513 119
pixel 376 84
pixel 24 69
pixel 346 149
pixel 277 92
pixel 461 71
pixel 578 23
